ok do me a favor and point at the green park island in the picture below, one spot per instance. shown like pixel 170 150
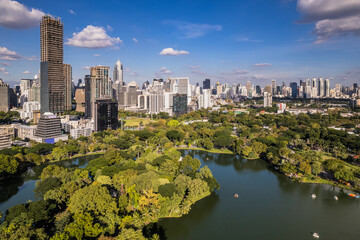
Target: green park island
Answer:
pixel 139 175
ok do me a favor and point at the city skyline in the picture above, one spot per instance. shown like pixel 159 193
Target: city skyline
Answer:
pixel 206 41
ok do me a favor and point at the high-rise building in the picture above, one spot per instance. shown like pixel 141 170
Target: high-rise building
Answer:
pixel 273 87
pixel 97 85
pixel 206 84
pixel 106 114
pixel 268 89
pixel 118 79
pixel 51 67
pixel 80 99
pixel 267 99
pixel 327 87
pixel 4 97
pixel 294 91
pixel 258 90
pixel 180 104
pixel 67 72
pixel 118 73
pixel 321 87
pixel 49 128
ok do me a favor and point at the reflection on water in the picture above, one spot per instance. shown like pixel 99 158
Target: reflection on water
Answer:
pixel 270 206
pixel 20 189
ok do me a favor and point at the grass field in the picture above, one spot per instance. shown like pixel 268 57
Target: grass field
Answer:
pixel 225 151
pixel 135 122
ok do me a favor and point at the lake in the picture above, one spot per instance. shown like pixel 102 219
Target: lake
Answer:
pixel 270 206
pixel 20 189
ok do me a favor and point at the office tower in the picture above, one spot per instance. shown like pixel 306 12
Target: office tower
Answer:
pixel 267 99
pixel 258 90
pixel 79 83
pixel 106 114
pixel 87 81
pixel 52 83
pixel 67 72
pixel 80 99
pixel 206 98
pixel 118 73
pixel 183 85
pixel 4 97
pixel 321 87
pixel 355 86
pixel 273 87
pixel 129 95
pixel 248 85
pixel 206 84
pixel 268 89
pixel 25 84
pixel 28 110
pixel 327 87
pixel 219 88
pixel 180 104
pixel 294 91
pixel 145 85
pixel 279 90
pixel 49 127
pixel 337 90
pixel 13 98
pixel 97 85
pixel 118 79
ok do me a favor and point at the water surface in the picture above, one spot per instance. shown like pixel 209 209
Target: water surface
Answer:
pixel 270 206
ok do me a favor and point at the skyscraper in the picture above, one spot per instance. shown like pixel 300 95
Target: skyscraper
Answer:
pixel 206 84
pixel 67 72
pixel 327 87
pixel 4 96
pixel 105 114
pixel 97 85
pixel 321 87
pixel 118 79
pixel 118 73
pixel 52 89
pixel 294 91
pixel 273 87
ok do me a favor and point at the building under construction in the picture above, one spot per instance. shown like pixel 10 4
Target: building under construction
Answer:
pixel 52 90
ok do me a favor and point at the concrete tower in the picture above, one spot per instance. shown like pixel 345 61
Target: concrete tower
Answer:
pixel 52 91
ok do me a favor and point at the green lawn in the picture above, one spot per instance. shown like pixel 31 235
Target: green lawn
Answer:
pixel 135 122
pixel 214 150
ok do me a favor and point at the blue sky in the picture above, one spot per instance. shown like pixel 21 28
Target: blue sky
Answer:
pixel 227 41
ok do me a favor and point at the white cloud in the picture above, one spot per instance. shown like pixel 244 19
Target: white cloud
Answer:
pixel 240 71
pixel 314 10
pixel 327 29
pixel 32 58
pixel 109 28
pixel 85 68
pixel 172 52
pixel 130 73
pixel 96 55
pixel 16 15
pixel 93 37
pixel 261 65
pixel 333 18
pixel 5 64
pixel 135 40
pixel 2 69
pixel 72 12
pixel 6 54
pixel 26 72
pixel 165 71
pixel 247 39
pixel 194 66
pixel 193 30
